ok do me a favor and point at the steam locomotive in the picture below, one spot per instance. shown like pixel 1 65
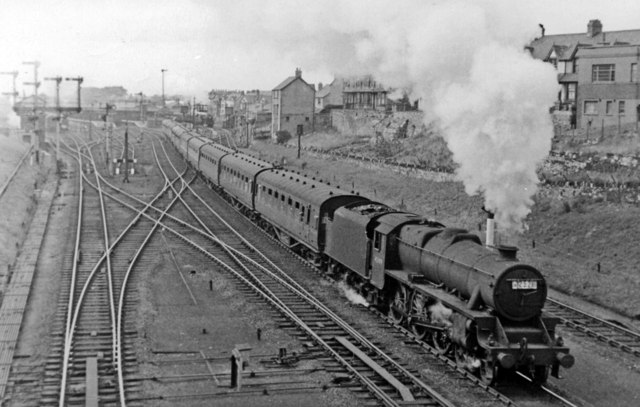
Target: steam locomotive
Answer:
pixel 479 305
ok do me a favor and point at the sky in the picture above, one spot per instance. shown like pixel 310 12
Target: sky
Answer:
pixel 246 44
pixel 463 59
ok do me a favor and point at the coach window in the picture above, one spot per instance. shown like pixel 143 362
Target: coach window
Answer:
pixel 308 214
pixel 289 201
pixel 377 241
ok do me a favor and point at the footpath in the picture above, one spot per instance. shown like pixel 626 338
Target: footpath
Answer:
pixel 19 286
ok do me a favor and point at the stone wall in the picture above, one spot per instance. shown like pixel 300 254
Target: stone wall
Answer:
pixel 371 122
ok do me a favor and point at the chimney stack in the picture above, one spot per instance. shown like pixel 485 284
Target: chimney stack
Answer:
pixel 491 228
pixel 298 73
pixel 594 28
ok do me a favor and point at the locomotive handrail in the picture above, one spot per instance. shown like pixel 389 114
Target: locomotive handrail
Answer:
pixel 474 268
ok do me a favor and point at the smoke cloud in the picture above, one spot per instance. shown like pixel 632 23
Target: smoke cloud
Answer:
pixel 464 60
pixel 8 118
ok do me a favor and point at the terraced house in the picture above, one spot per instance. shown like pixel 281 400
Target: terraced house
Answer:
pixel 598 74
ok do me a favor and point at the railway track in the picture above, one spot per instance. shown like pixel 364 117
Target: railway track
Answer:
pixel 92 351
pixel 605 331
pixel 343 342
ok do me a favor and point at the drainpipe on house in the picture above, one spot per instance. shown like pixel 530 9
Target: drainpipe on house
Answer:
pixel 637 79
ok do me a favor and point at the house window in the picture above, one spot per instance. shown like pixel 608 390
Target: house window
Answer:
pixel 609 107
pixel 634 72
pixel 590 107
pixel 287 119
pixel 621 108
pixel 306 119
pixel 571 91
pixel 603 73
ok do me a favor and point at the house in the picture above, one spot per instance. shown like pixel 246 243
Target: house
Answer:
pixel 364 93
pixel 597 73
pixel 330 96
pixel 292 106
pixel 609 86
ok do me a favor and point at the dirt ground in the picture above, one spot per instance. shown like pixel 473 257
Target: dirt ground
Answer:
pixel 17 205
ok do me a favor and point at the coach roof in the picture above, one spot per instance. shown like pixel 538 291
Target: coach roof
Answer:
pixel 300 186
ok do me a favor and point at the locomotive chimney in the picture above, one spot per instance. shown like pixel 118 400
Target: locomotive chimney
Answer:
pixel 491 228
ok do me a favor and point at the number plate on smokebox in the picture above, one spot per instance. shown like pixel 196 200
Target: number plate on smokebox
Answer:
pixel 524 285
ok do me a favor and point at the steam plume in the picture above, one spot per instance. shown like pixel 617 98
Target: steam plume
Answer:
pixel 465 60
pixel 352 295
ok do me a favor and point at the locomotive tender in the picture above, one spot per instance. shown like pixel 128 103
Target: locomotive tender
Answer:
pixel 479 305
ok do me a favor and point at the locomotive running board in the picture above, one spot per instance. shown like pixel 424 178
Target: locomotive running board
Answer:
pixel 452 301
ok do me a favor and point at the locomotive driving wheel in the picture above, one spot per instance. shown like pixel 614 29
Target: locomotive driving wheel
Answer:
pixel 420 311
pixel 398 305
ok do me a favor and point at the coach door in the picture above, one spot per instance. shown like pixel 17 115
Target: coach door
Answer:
pixel 377 256
pixel 305 218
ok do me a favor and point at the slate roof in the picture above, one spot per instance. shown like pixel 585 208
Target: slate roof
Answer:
pixel 568 43
pixel 323 92
pixel 289 81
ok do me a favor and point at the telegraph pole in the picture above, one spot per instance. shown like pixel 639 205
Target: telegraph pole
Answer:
pixel 15 93
pixel 36 85
pixel 193 114
pixel 107 127
pixel 58 79
pixel 141 100
pixel 126 154
pixel 163 71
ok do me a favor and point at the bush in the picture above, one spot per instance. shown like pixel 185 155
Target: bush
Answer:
pixel 282 136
